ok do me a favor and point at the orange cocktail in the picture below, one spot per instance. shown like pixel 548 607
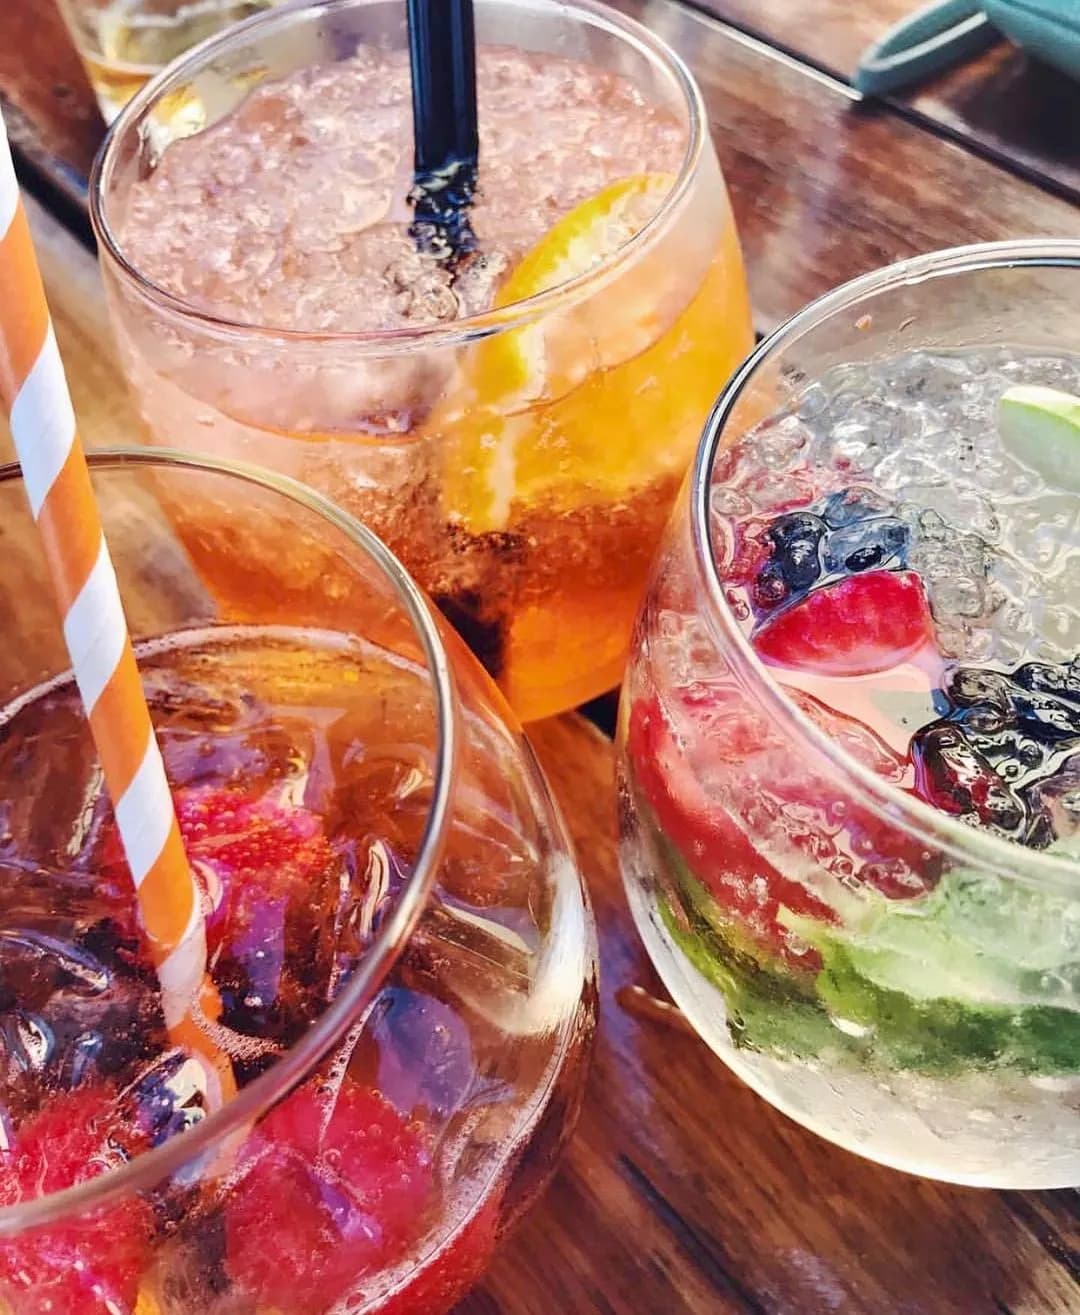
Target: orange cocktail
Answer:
pixel 514 424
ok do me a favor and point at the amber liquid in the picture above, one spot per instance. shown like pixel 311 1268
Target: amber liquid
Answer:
pixel 543 577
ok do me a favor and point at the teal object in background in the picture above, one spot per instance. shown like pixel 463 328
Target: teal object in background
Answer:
pixel 948 31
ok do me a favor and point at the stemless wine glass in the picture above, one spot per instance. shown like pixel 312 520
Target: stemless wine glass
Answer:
pixel 396 930
pixel 850 733
pixel 123 43
pixel 519 456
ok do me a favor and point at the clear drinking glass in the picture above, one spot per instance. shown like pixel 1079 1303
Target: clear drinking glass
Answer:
pixel 123 43
pixel 520 460
pixel 396 929
pixel 850 731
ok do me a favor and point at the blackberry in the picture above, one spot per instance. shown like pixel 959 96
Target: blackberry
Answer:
pixel 1002 738
pixel 794 564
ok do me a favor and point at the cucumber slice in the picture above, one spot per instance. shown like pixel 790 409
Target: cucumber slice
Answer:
pixel 1041 428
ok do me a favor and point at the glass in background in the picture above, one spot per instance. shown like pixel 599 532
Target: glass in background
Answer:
pixel 123 43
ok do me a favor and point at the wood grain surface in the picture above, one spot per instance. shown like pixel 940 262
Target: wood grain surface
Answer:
pixel 1004 103
pixel 51 112
pixel 825 188
pixel 683 1193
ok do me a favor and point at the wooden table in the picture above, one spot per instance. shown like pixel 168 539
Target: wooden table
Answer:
pixel 683 1193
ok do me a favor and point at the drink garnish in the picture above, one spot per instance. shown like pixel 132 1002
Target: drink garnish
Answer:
pixel 854 627
pixel 1003 736
pixel 332 1190
pixel 1041 427
pixel 497 453
pixel 264 866
pixel 975 973
pixel 86 1264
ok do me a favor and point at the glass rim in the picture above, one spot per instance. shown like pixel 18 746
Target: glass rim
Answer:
pixel 938 830
pixel 296 1063
pixel 442 333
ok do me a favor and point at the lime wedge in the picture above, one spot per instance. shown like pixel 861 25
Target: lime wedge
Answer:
pixel 1041 427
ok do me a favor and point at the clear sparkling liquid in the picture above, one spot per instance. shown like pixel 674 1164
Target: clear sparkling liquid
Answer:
pixel 998 549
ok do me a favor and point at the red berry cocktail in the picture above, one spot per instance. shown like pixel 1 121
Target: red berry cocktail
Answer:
pixel 395 927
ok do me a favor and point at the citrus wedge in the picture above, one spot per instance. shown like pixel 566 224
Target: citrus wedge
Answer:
pixel 1041 427
pixel 595 400
pixel 531 362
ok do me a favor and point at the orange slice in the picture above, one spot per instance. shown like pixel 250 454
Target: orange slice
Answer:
pixel 500 430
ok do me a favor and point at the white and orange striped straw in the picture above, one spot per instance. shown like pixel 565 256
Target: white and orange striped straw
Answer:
pixel 34 390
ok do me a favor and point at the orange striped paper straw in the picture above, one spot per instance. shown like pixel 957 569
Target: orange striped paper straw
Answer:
pixel 34 390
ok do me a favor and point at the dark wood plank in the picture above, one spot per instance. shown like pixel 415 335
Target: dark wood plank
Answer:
pixel 1004 103
pixel 42 79
pixel 825 188
pixel 683 1193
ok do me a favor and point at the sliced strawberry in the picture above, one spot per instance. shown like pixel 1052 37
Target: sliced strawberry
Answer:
pixel 858 626
pixel 715 838
pixel 332 1193
pixel 753 817
pixel 90 1263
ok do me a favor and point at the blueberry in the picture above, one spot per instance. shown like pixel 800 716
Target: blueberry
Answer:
pixel 867 544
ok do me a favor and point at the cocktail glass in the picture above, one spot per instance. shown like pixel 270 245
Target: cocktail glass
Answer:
pixel 520 460
pixel 123 43
pixel 851 726
pixel 396 928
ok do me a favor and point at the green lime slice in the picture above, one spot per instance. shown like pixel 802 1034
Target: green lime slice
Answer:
pixel 1041 427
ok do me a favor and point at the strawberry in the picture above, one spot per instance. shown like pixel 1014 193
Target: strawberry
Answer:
pixel 445 1279
pixel 255 850
pixel 332 1192
pixel 267 869
pixel 714 838
pixel 857 626
pixel 87 1264
pixel 767 810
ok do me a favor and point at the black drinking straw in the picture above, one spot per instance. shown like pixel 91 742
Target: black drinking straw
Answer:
pixel 442 51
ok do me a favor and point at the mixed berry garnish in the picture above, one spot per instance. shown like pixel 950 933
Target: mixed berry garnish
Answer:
pixel 90 1262
pixel 332 1189
pixel 270 877
pixel 834 594
pixel 850 531
pixel 830 588
pixel 855 626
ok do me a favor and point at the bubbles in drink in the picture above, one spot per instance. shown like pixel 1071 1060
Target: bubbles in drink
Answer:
pixel 303 772
pixel 918 435
pixel 293 211
pixel 908 586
